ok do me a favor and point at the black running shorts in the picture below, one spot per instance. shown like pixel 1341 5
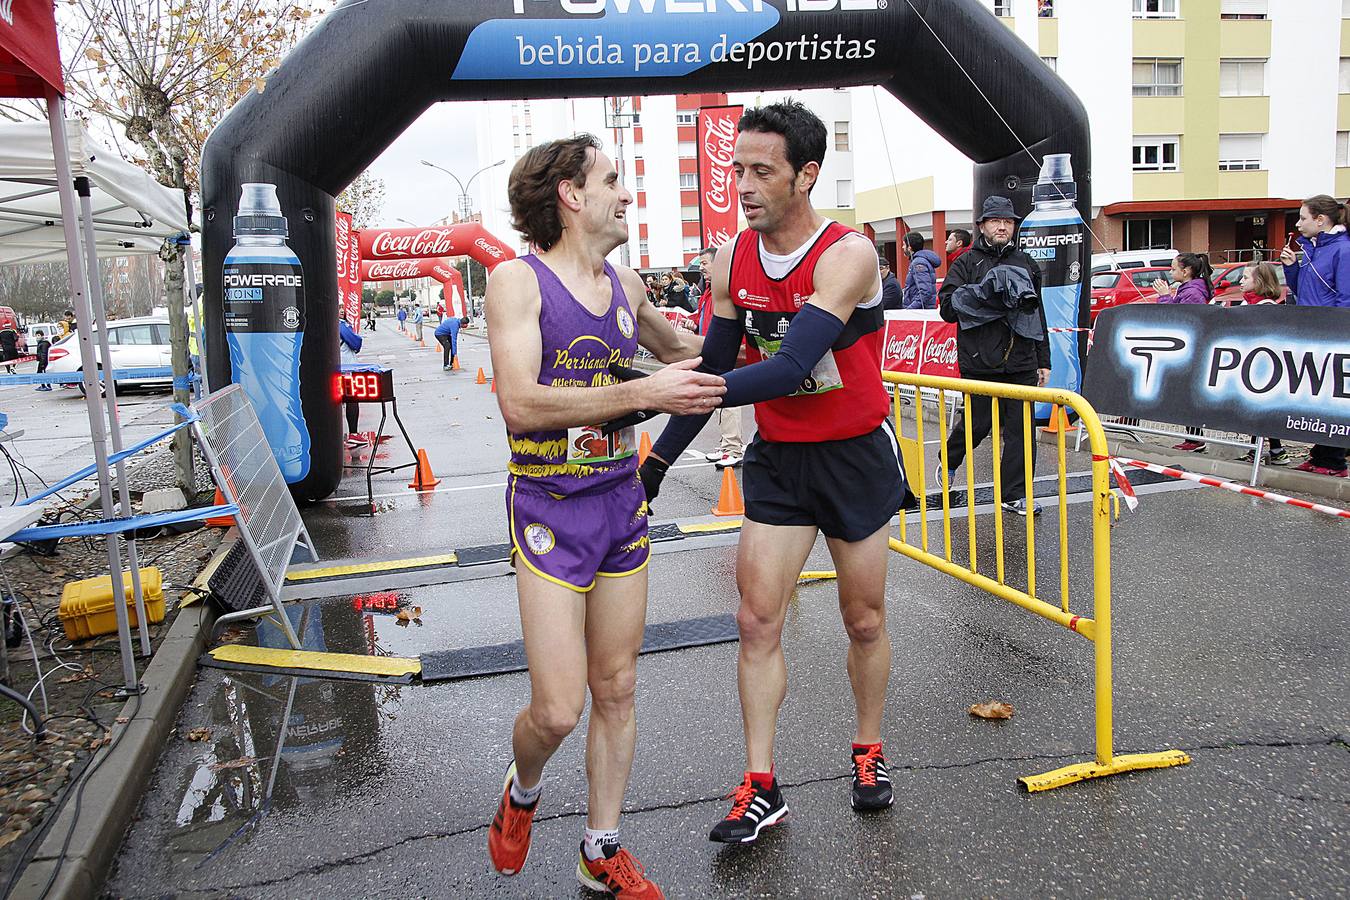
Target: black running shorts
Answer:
pixel 848 489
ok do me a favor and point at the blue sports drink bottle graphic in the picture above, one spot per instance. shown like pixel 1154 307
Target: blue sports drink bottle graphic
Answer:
pixel 1055 235
pixel 265 324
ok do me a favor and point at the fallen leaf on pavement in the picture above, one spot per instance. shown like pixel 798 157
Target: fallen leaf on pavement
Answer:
pixel 240 763
pixel 992 709
pixel 84 675
pixel 199 734
pixel 121 720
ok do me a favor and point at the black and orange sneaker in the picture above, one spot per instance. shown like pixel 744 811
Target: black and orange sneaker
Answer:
pixel 752 809
pixel 871 782
pixel 509 833
pixel 617 873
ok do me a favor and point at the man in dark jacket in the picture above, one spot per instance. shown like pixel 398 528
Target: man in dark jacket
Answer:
pixel 921 282
pixel 993 294
pixel 958 242
pixel 890 288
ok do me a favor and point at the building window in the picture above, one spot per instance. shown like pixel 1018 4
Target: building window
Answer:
pixel 1148 234
pixel 1052 62
pixel 688 213
pixel 639 182
pixel 843 194
pixel 686 117
pixel 688 181
pixel 1157 78
pixel 841 136
pixel 1243 9
pixel 687 149
pixel 642 248
pixel 1345 75
pixel 1342 149
pixel 635 118
pixel 691 243
pixel 1239 152
pixel 1157 154
pixel 1003 8
pixel 1242 78
pixel 1155 9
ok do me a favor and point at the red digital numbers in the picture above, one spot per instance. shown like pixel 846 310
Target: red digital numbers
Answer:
pixel 361 386
pixel 381 601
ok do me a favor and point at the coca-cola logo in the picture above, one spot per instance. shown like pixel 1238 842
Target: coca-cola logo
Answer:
pixel 902 349
pixel 491 249
pixel 719 143
pixel 939 353
pixel 381 271
pixel 716 237
pixel 343 231
pixel 427 242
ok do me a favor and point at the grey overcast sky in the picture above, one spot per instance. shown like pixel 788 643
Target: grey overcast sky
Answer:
pixel 444 135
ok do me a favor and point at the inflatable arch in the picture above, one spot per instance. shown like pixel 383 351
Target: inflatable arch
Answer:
pixel 440 269
pixel 336 102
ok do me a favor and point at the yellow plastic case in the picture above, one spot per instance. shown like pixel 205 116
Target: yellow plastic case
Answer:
pixel 87 606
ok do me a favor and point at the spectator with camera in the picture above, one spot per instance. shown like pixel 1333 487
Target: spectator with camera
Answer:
pixel 993 293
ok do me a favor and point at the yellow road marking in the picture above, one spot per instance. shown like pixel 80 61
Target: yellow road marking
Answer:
pixel 392 666
pixel 444 559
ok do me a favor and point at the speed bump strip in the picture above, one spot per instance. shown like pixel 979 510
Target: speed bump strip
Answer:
pixel 393 565
pixel 316 661
pixel 710 527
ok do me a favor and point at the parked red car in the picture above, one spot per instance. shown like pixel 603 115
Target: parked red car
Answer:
pixel 1228 283
pixel 1124 286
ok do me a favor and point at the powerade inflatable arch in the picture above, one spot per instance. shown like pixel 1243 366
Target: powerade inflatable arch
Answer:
pixel 335 103
pixel 439 269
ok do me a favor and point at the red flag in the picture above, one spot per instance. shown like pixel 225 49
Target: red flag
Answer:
pixel 716 179
pixel 30 60
pixel 348 268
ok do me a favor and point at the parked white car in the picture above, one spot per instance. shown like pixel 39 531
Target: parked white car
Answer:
pixel 133 343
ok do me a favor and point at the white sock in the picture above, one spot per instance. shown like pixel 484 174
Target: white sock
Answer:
pixel 596 839
pixel 525 796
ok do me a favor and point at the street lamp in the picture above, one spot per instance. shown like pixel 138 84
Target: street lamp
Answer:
pixel 465 204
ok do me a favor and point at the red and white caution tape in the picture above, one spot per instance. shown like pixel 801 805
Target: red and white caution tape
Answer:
pixel 1236 488
pixel 1122 481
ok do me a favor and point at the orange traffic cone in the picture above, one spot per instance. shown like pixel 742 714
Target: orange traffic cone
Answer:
pixel 423 480
pixel 644 447
pixel 454 363
pixel 1058 422
pixel 219 521
pixel 729 502
pixel 493 389
pixel 481 379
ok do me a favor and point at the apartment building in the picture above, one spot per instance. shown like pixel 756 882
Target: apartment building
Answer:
pixel 654 142
pixel 1211 120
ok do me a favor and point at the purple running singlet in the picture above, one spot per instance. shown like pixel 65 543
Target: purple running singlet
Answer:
pixel 573 499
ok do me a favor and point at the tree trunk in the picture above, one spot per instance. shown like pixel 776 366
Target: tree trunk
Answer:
pixel 178 349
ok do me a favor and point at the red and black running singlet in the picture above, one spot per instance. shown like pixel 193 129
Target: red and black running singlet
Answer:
pixel 844 395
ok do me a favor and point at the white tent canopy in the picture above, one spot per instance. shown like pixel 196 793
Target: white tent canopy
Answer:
pixel 132 212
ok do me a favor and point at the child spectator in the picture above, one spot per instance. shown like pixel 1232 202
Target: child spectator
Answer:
pixel 44 347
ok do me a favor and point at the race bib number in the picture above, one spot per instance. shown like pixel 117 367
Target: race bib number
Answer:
pixel 823 378
pixel 589 446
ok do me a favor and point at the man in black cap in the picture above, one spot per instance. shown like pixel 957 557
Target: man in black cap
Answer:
pixel 993 293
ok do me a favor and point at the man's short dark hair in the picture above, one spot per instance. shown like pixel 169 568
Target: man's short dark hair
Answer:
pixel 962 235
pixel 533 187
pixel 914 241
pixel 801 129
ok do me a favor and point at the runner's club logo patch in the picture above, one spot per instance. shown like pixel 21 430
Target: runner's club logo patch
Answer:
pixel 625 321
pixel 539 538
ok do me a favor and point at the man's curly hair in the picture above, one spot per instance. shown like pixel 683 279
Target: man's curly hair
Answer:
pixel 533 186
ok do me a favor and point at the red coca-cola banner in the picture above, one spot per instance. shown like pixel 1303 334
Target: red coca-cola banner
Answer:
pixel 348 269
pixel 30 61
pixel 441 270
pixel 681 319
pixel 717 207
pixel 470 239
pixel 919 343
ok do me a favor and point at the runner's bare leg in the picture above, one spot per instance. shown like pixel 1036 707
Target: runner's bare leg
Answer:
pixel 768 561
pixel 616 612
pixel 861 566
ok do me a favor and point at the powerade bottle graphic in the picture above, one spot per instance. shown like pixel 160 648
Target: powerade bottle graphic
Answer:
pixel 265 324
pixel 1054 235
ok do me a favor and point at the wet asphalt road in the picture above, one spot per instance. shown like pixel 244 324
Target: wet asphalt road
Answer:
pixel 1229 631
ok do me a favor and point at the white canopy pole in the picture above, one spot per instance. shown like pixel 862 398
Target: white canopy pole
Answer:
pixel 83 316
pixel 110 385
pixel 199 327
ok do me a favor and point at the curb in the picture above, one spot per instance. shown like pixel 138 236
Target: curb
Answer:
pixel 113 793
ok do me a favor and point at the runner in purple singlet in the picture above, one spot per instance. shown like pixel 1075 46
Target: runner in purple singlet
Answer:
pixel 557 321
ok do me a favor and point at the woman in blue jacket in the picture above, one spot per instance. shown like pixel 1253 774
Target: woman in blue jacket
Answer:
pixel 1321 278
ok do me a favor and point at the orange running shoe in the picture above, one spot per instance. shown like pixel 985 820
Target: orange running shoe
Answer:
pixel 509 833
pixel 620 875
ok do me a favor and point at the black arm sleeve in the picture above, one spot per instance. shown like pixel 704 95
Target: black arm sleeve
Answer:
pixel 720 346
pixel 808 339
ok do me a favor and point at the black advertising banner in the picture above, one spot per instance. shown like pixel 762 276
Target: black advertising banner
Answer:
pixel 1270 371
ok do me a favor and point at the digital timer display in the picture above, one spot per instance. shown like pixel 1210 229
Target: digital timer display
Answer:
pixel 367 387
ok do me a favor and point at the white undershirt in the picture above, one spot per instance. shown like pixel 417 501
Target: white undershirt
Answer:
pixel 777 266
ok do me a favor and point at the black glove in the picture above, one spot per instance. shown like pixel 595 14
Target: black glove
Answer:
pixel 625 373
pixel 652 473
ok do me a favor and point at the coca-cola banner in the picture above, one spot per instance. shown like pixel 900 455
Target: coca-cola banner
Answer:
pixel 469 239
pixel 716 180
pixel 452 284
pixel 681 319
pixel 348 269
pixel 918 342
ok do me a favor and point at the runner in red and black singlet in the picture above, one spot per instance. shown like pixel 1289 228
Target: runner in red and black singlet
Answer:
pixel 557 320
pixel 804 294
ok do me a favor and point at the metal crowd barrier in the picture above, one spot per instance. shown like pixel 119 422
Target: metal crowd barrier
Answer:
pixel 1096 627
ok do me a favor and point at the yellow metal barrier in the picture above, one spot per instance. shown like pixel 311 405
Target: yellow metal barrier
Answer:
pixel 1096 628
